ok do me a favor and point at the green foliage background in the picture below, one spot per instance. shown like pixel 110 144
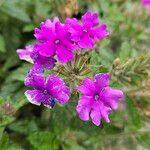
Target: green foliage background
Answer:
pixel 25 126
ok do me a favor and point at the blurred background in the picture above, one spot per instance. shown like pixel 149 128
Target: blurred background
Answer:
pixel 24 126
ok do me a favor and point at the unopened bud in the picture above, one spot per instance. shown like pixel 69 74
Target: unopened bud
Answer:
pixel 116 62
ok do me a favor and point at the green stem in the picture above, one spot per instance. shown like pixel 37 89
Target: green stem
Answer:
pixel 1 132
pixel 46 116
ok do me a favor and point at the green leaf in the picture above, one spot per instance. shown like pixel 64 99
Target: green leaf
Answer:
pixel 73 146
pixel 144 140
pixel 20 73
pixel 24 126
pixel 28 28
pixel 5 120
pixel 43 140
pixel 13 87
pixel 11 9
pixel 2 44
pixel 134 120
pixel 4 142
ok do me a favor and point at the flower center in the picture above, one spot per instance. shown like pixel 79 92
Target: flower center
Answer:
pixel 96 97
pixel 52 102
pixel 85 30
pixel 45 91
pixel 57 41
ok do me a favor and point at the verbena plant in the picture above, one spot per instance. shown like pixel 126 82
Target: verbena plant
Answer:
pixel 83 62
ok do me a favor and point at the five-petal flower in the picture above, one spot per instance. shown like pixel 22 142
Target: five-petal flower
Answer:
pixel 98 99
pixel 54 39
pixel 46 91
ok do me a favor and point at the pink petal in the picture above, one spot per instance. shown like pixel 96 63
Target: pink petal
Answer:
pixel 84 106
pixel 64 55
pixel 74 28
pixel 61 31
pixel 146 2
pixel 62 94
pixel 37 68
pixel 35 80
pixel 100 111
pixel 111 97
pixel 87 87
pixel 100 32
pixel 25 54
pixel 57 88
pixel 86 42
pixel 105 113
pixel 90 19
pixel 73 23
pixel 46 49
pixel 101 81
pixel 45 32
pixel 34 96
pixel 96 117
pixel 37 97
pixel 49 63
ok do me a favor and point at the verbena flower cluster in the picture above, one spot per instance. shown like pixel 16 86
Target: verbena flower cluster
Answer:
pixel 57 43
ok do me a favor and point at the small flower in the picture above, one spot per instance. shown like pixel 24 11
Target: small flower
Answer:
pixel 46 91
pixel 88 32
pixel 146 4
pixel 25 54
pixel 53 39
pixel 40 62
pixel 98 99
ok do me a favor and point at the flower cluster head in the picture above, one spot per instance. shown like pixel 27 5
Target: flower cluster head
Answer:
pixel 57 40
pixel 98 99
pixel 61 44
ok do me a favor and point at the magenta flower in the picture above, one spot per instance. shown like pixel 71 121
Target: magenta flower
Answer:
pixel 98 99
pixel 88 32
pixel 53 39
pixel 40 62
pixel 146 4
pixel 46 91
pixel 25 54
